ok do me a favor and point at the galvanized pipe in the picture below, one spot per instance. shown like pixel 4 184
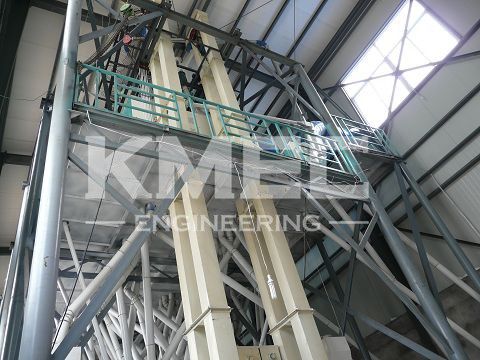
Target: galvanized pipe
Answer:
pixel 178 319
pixel 235 285
pixel 160 315
pixel 76 263
pixel 113 338
pixel 100 279
pixel 223 263
pixel 40 304
pixel 108 342
pixel 263 335
pixel 123 319
pixel 149 338
pixel 172 347
pixel 137 302
pixel 171 304
pixel 242 263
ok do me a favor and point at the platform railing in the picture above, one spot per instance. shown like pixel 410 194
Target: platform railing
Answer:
pixel 145 101
pixel 359 135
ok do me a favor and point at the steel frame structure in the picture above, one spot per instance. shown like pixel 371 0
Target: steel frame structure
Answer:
pixel 102 322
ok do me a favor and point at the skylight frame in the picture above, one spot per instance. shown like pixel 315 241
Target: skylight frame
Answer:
pixel 407 77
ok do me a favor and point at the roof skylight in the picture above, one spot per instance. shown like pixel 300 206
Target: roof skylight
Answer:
pixel 398 59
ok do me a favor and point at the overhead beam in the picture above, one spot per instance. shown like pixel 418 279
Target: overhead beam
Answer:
pixel 100 255
pixel 211 30
pixel 14 159
pixel 267 33
pixel 60 8
pixel 136 278
pixel 335 44
pixel 295 45
pixel 256 74
pixel 340 38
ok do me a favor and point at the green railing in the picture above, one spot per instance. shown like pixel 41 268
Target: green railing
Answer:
pixel 142 100
pixel 360 135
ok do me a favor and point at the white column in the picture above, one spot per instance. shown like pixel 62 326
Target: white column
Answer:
pixel 164 70
pixel 274 309
pixel 214 69
pixel 197 341
pixel 213 302
pixel 299 313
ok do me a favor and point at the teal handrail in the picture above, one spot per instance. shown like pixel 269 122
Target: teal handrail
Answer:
pixel 157 103
pixel 360 135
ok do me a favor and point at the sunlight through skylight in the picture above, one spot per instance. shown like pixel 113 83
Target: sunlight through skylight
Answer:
pixel 371 81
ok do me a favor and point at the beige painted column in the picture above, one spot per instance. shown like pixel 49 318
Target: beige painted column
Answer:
pixel 164 70
pixel 156 73
pixel 216 67
pixel 274 309
pixel 299 313
pixel 207 316
pixel 197 341
pixel 213 302
pixel 210 90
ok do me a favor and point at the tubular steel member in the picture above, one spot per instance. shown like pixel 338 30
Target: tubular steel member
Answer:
pixel 440 225
pixel 429 304
pixel 40 303
pixel 14 294
pixel 101 288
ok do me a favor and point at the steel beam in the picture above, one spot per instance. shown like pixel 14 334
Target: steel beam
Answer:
pixel 404 297
pixel 270 28
pixel 292 49
pixel 60 8
pixel 338 40
pixel 13 14
pixel 211 30
pixel 126 203
pixel 462 171
pixel 451 113
pixel 14 159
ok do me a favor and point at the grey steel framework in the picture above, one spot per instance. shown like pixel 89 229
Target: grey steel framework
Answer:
pixel 97 318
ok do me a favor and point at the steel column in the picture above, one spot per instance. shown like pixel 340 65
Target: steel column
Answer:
pixel 416 234
pixel 13 297
pixel 437 220
pixel 426 298
pixel 147 296
pixel 39 309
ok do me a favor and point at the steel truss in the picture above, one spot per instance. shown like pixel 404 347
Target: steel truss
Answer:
pixel 112 316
